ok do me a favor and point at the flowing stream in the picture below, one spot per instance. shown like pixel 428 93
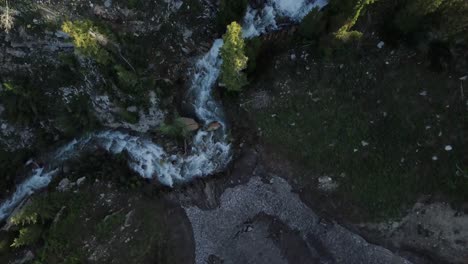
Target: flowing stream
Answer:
pixel 210 151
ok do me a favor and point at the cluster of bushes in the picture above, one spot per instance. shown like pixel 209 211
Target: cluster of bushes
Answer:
pixel 49 220
pixel 36 224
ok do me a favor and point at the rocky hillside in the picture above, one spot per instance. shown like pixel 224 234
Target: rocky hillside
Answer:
pixel 345 135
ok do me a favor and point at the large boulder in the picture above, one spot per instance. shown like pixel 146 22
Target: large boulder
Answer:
pixel 64 185
pixel 189 123
pixel 213 126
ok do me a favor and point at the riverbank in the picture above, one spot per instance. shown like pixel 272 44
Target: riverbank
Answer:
pixel 366 136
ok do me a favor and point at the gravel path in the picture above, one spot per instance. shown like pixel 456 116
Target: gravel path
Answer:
pixel 237 232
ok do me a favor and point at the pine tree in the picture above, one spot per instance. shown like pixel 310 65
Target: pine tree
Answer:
pixel 234 59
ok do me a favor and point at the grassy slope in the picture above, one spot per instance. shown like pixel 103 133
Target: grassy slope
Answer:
pixel 321 118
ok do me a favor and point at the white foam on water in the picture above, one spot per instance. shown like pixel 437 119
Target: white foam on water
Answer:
pixel 210 151
pixel 204 78
pixel 257 22
pixel 296 9
pixel 37 181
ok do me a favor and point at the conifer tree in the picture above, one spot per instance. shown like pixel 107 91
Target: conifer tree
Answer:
pixel 234 59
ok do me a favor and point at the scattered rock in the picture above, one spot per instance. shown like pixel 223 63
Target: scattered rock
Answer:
pixel 326 184
pixel 128 218
pixel 80 181
pixel 436 229
pixel 64 185
pixel 381 44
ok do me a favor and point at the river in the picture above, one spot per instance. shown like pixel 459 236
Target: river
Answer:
pixel 210 152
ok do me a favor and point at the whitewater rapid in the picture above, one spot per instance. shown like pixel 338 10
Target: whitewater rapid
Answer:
pixel 210 151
